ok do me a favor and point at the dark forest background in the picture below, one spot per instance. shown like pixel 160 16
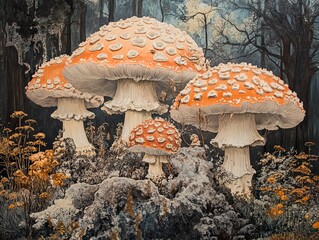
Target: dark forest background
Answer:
pixel 280 35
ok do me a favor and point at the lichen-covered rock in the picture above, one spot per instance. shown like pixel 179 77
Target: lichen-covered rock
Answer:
pixel 185 205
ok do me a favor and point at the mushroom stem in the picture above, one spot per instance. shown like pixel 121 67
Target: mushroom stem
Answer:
pixel 237 161
pixel 132 119
pixel 235 134
pixel 155 171
pixel 131 95
pixel 72 112
pixel 75 129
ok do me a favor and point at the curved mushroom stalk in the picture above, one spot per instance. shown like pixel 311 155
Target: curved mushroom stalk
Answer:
pixel 72 113
pixel 137 100
pixel 155 171
pixel 235 134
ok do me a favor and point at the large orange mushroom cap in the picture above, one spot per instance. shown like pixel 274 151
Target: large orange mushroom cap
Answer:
pixel 141 49
pixel 155 137
pixel 48 84
pixel 238 88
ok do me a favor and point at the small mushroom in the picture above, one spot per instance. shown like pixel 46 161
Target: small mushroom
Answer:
pixel 158 144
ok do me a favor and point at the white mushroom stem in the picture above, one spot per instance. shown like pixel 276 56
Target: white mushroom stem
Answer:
pixel 155 171
pixel 235 134
pixel 72 113
pixel 237 161
pixel 137 99
pixel 131 120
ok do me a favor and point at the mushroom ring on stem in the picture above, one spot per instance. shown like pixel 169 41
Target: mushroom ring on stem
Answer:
pixel 236 100
pixel 49 88
pixel 158 139
pixel 133 61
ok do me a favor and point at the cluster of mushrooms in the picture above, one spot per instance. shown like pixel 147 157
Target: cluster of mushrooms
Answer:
pixel 133 61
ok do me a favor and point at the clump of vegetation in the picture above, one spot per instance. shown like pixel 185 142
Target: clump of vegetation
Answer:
pixel 287 194
pixel 28 178
pixel 99 137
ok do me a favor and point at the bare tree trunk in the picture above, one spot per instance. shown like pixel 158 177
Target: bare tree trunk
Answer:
pixel 139 8
pixel 133 7
pixel 111 10
pixel 82 22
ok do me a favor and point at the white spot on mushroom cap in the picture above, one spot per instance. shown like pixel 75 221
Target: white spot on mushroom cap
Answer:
pixel 169 146
pixel 132 54
pixel 139 42
pixel 242 91
pixel 207 75
pixel 56 80
pixel 160 129
pixel 150 138
pixel 259 91
pixel 255 80
pixel 249 85
pixel 196 90
pixel 110 37
pixel 50 86
pixel 199 83
pixel 185 91
pixel 171 51
pixel 235 87
pixel 185 99
pixel 140 30
pixel 212 94
pixel 118 56
pixel 124 25
pixel 78 52
pixel 180 60
pixel 278 94
pixel 152 35
pixel 227 94
pixel 180 46
pixel 159 57
pixel 101 56
pixel 151 130
pixel 139 131
pixel 140 140
pixel 231 82
pixel 125 35
pixel 96 47
pixel 256 71
pixel 82 44
pixel 167 39
pixel 115 47
pixel 38 80
pixel 221 87
pixel 236 70
pixel 158 45
pixel 212 82
pixel 242 77
pixel 224 75
pixel 198 96
pixel 94 39
pixel 170 131
pixel 161 139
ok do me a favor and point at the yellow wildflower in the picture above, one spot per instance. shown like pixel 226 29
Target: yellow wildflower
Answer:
pixel 271 180
pixel 316 225
pixel 39 136
pixel 18 114
pixel 11 206
pixel 44 195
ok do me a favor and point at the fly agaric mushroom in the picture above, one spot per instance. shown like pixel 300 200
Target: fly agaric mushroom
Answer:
pixel 133 61
pixel 49 88
pixel 236 100
pixel 158 139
